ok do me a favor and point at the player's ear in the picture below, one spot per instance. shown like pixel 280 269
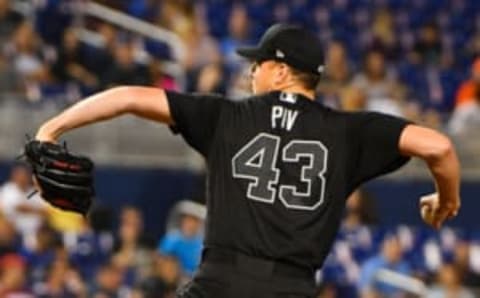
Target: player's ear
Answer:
pixel 281 74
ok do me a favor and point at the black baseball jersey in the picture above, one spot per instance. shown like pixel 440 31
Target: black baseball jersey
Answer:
pixel 280 167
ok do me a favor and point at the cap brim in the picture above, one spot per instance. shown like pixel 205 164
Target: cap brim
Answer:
pixel 251 53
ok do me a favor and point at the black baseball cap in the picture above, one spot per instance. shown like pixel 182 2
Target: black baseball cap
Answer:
pixel 291 44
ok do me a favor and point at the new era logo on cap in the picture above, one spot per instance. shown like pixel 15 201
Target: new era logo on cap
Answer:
pixel 279 54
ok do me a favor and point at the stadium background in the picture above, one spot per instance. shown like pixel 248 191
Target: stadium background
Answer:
pixel 412 58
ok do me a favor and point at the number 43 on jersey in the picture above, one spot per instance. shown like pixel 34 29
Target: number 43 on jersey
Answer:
pixel 256 162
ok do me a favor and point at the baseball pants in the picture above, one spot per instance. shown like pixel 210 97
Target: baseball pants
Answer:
pixel 225 274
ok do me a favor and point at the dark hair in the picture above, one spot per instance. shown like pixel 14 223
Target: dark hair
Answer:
pixel 431 25
pixel 367 210
pixel 308 80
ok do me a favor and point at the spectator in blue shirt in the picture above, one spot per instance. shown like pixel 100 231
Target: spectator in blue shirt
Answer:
pixel 390 258
pixel 184 243
pixel 239 30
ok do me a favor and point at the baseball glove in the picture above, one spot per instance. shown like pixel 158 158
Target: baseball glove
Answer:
pixel 65 180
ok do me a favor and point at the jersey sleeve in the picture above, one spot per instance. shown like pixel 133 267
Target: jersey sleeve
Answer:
pixel 374 145
pixel 196 117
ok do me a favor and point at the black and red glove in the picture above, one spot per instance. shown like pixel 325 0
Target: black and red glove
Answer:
pixel 65 180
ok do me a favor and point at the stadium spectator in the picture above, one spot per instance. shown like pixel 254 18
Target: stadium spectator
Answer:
pixel 125 70
pixel 429 46
pixel 185 243
pixel 108 282
pixel 27 54
pixel 337 74
pixel 352 99
pixel 88 250
pixel 238 26
pixel 206 52
pixel 449 284
pixel 462 260
pixel 40 258
pixel 169 270
pixel 469 90
pixel 100 59
pixel 473 47
pixel 26 215
pixel 132 254
pixel 380 87
pixel 9 20
pixel 72 61
pixel 131 218
pixel 466 116
pixel 151 286
pixel 360 210
pixel 178 16
pixel 160 79
pixel 163 280
pixel 51 19
pixel 383 34
pixel 50 273
pixel 101 218
pixel 62 281
pixel 390 258
pixel 13 271
pixel 109 36
pixel 9 240
pixel 212 79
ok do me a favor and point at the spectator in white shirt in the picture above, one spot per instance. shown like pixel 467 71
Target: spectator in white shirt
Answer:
pixel 465 118
pixel 26 214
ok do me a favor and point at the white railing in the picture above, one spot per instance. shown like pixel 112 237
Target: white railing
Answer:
pixel 121 20
pixel 171 68
pixel 130 23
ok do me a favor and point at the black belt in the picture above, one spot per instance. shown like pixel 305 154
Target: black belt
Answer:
pixel 256 266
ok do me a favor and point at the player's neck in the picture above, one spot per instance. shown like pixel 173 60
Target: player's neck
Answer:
pixel 310 94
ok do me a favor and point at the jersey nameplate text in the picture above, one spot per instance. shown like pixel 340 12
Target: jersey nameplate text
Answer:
pixel 283 117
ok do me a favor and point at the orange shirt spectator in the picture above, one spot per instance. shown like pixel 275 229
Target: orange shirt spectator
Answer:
pixel 468 90
pixel 466 93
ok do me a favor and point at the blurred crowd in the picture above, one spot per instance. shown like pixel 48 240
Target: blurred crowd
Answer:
pixel 369 260
pixel 414 59
pixel 45 252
